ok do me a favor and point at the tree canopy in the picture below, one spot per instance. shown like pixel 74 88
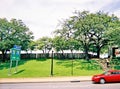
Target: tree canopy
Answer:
pixel 13 32
pixel 93 31
pixel 44 44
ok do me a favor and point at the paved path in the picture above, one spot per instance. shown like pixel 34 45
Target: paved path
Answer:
pixel 45 79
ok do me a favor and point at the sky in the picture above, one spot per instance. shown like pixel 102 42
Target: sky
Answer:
pixel 42 16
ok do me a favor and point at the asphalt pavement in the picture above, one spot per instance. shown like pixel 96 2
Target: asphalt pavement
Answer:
pixel 46 79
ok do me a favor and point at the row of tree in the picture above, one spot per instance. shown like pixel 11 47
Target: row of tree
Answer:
pixel 89 32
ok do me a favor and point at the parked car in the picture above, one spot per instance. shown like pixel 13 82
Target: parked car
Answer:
pixel 108 76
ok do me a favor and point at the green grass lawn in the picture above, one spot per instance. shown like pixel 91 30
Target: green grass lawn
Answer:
pixel 41 68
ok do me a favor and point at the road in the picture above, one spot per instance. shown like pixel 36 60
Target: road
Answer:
pixel 60 85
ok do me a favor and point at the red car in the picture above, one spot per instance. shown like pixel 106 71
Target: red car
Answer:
pixel 108 76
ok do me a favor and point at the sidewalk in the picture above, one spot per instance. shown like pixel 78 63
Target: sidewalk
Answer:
pixel 46 79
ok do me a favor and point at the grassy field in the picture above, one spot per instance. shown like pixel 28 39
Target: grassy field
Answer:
pixel 41 68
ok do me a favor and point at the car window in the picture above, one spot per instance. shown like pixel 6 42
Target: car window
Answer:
pixel 115 72
pixel 107 73
pixel 118 72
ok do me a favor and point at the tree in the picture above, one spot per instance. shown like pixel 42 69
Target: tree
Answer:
pixel 32 45
pixel 77 28
pixel 13 32
pixel 44 44
pixel 113 32
pixel 64 37
pixel 82 30
pixel 59 43
pixel 99 27
pixel 91 30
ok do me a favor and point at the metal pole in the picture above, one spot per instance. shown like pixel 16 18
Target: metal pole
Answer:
pixel 16 66
pixel 72 63
pixel 52 65
pixel 9 73
pixel 72 68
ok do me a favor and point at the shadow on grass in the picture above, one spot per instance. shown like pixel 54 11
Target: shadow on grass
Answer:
pixel 19 72
pixel 80 64
pixel 66 63
pixel 6 65
pixel 41 59
pixel 89 65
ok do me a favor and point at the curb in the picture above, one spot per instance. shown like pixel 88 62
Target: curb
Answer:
pixel 44 80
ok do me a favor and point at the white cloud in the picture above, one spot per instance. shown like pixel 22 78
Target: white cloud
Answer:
pixel 117 13
pixel 42 16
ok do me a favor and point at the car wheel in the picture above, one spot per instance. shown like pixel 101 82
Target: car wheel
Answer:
pixel 102 81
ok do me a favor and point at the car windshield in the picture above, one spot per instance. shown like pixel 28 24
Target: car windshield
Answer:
pixel 107 73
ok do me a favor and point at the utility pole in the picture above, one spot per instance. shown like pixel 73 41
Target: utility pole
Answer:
pixel 52 63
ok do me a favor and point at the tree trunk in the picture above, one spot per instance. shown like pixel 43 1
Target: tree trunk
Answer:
pixel 3 56
pixel 63 57
pixel 48 55
pixel 98 52
pixel 72 54
pixel 86 53
pixel 43 56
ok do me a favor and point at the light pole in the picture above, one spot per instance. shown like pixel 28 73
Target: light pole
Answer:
pixel 52 63
pixel 72 60
pixel 72 67
pixel 52 56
